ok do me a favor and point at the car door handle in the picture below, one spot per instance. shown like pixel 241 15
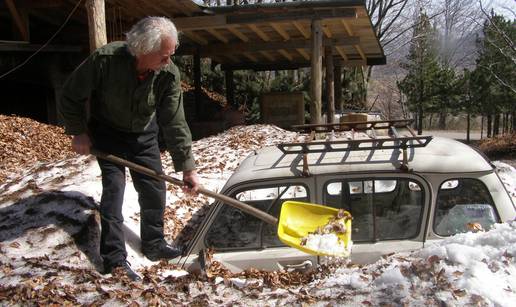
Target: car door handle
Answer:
pixel 307 264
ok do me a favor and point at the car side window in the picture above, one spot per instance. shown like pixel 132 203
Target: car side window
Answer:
pixel 382 209
pixel 463 205
pixel 235 229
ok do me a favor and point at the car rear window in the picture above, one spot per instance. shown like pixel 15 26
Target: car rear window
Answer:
pixel 235 229
pixel 463 205
pixel 382 209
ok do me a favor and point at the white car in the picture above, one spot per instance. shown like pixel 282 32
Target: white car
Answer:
pixel 402 191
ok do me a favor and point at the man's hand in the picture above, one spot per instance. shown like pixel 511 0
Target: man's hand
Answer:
pixel 81 144
pixel 191 182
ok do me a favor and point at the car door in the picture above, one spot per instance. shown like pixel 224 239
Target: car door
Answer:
pixel 389 212
pixel 240 241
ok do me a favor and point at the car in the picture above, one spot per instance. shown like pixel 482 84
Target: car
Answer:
pixel 404 192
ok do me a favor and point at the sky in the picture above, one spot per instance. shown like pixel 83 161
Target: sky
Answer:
pixel 49 249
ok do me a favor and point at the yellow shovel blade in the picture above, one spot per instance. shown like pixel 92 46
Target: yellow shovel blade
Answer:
pixel 297 219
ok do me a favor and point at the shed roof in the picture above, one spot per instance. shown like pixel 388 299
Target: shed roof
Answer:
pixel 278 35
pixel 266 36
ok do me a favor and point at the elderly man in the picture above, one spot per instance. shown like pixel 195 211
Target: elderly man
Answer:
pixel 133 88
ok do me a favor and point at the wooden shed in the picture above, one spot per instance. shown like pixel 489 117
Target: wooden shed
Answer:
pixel 58 34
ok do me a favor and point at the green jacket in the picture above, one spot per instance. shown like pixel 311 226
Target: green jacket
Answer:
pixel 108 78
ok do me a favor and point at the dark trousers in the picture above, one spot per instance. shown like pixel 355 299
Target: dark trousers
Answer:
pixel 141 148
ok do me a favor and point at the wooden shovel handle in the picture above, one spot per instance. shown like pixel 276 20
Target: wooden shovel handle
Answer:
pixel 160 176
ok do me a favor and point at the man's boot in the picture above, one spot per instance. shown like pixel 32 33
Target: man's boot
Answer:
pixel 154 245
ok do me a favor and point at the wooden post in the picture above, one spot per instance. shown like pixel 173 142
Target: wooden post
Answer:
pixel 230 88
pixel 316 82
pixel 20 19
pixel 337 74
pixel 330 85
pixel 96 23
pixel 197 85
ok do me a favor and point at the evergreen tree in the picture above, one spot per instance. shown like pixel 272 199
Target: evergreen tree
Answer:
pixel 494 78
pixel 422 69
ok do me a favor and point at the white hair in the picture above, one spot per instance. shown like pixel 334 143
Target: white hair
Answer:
pixel 146 35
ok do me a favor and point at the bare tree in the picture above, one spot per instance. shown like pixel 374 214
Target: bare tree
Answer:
pixel 458 28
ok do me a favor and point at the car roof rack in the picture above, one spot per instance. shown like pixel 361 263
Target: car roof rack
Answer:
pixel 393 141
pixel 356 126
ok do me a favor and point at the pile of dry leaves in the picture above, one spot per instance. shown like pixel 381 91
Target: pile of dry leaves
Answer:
pixel 25 141
pixel 502 146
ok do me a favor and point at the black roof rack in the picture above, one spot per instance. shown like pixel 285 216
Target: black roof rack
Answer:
pixel 357 126
pixel 354 145
pixel 392 141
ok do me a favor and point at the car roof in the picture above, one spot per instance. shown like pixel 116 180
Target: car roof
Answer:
pixel 440 155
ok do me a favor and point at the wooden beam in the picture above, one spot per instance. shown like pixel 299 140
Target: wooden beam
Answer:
pixel 250 56
pixel 316 73
pixel 346 27
pixel 281 64
pixel 269 56
pixel 337 74
pixel 359 49
pixel 357 46
pixel 233 58
pixel 195 37
pixel 39 4
pixel 221 21
pixel 342 53
pixel 260 33
pixel 303 53
pixel 280 31
pixel 238 34
pixel 327 31
pixel 285 53
pixel 96 23
pixel 25 47
pixel 219 36
pixel 200 22
pixel 301 29
pixel 21 23
pixel 306 14
pixel 266 46
pixel 330 85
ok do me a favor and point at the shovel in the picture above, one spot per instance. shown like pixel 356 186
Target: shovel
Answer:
pixel 297 219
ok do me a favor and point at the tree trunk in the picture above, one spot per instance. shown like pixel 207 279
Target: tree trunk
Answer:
pixel 506 123
pixel 442 121
pixel 496 125
pixel 420 120
pixel 489 125
pixel 513 126
pixel 468 123
pixel 482 127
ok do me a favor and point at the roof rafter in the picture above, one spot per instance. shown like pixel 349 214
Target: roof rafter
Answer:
pixel 267 46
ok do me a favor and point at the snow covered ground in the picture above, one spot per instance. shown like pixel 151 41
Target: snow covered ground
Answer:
pixel 49 247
